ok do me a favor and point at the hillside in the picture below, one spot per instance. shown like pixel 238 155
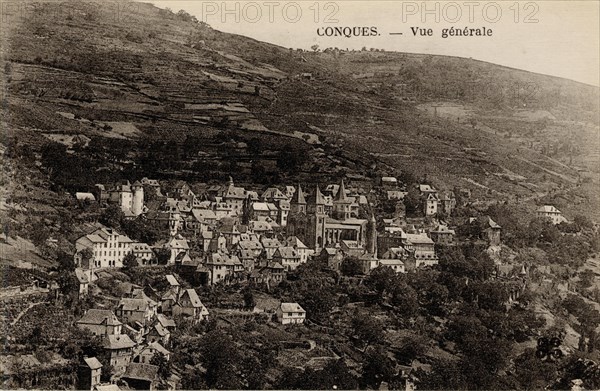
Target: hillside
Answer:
pixel 163 88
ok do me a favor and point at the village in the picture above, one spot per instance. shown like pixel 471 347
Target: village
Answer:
pixel 186 208
pixel 250 241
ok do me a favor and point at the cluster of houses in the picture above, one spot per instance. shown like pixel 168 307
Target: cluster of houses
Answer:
pixel 139 328
pixel 433 201
pixel 229 234
pixel 135 331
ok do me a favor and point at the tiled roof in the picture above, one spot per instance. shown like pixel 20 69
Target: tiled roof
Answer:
pixel 194 299
pixel 158 347
pixel 165 321
pixel 98 317
pixel 204 214
pixel 92 362
pixel 121 341
pixel 287 253
pixel 391 262
pixel 179 242
pixel 267 242
pixel 107 387
pixel 548 209
pixel 141 371
pixel 137 305
pixel 317 197
pixel 273 193
pixel 291 307
pixel 140 294
pixel 443 229
pixel 160 329
pixel 250 245
pixel 294 241
pixel 172 280
pixel 419 239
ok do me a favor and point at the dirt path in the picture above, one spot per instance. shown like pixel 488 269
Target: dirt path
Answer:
pixel 22 313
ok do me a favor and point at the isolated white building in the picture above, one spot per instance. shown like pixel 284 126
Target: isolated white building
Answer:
pixel 549 211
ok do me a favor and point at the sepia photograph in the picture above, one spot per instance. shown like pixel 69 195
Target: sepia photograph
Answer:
pixel 299 195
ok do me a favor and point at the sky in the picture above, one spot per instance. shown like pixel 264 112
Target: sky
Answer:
pixel 558 37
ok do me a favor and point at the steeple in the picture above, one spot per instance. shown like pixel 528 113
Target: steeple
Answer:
pixel 317 198
pixel 298 197
pixel 341 197
pixel 372 240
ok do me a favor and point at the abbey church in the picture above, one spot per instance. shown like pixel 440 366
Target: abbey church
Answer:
pixel 318 223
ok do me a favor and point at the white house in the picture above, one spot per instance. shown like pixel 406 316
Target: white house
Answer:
pixel 395 264
pixel 549 211
pixel 108 249
pixel 423 248
pixel 291 313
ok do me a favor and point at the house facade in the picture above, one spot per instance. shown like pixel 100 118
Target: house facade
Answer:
pixel 100 322
pixel 291 313
pixel 107 246
pixel 550 212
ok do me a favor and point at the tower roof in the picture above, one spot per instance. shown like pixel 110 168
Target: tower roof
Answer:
pixel 341 197
pixel 298 197
pixel 317 197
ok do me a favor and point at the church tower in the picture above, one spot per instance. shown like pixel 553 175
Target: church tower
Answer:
pixel 297 223
pixel 341 204
pixel 372 236
pixel 298 203
pixel 137 204
pixel 316 220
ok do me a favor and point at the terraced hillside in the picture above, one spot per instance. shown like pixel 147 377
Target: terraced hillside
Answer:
pixel 185 100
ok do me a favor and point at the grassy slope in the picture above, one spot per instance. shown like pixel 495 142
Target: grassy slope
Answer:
pixel 145 66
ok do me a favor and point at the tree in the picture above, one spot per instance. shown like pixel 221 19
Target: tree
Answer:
pixel 586 278
pixel 249 299
pixel 112 216
pixel 381 280
pixel 413 203
pixel 143 230
pixel 315 47
pixel 130 261
pixel 289 158
pixel 368 329
pixel 254 146
pixel 405 299
pixel 318 302
pixel 68 284
pixel 378 367
pixel 351 266
pixel 473 122
pixel 164 368
pixel 66 262
pixel 410 348
pixel 163 255
pixel 221 358
pixel 583 222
